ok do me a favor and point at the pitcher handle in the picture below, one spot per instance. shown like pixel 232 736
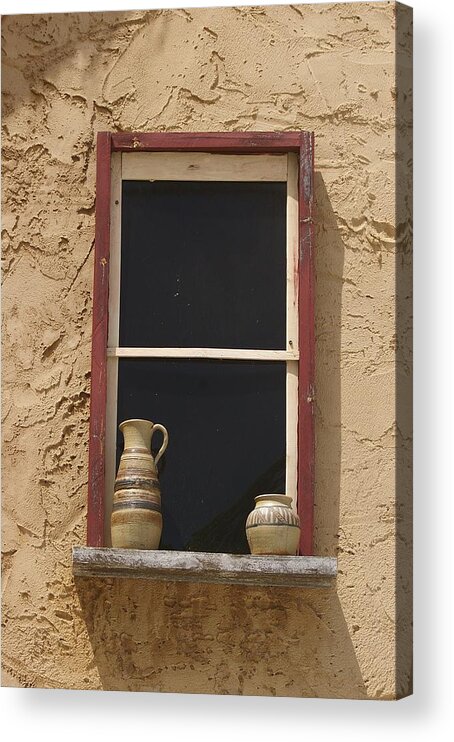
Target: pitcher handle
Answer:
pixel 164 432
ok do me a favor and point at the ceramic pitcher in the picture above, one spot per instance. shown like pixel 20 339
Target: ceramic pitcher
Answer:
pixel 273 527
pixel 136 521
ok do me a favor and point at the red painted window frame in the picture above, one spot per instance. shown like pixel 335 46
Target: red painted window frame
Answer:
pixel 233 143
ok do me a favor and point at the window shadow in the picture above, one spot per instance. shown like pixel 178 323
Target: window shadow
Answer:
pixel 205 638
pixel 221 639
pixel 329 264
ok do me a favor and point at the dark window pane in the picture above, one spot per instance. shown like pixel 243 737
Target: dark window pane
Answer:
pixel 203 265
pixel 226 423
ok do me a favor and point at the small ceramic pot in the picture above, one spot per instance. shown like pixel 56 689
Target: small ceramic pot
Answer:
pixel 136 521
pixel 273 527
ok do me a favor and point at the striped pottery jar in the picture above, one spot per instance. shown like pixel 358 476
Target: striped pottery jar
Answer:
pixel 273 527
pixel 136 521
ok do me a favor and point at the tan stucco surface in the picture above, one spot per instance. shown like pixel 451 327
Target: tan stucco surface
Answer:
pixel 327 68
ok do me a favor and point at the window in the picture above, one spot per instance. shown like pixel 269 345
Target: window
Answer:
pixel 203 313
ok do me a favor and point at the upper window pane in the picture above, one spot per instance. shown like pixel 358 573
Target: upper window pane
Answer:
pixel 203 264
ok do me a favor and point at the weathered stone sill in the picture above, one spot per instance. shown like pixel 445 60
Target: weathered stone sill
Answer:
pixel 187 566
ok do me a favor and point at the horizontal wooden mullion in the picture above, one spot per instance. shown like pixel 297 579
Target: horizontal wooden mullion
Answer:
pixel 233 354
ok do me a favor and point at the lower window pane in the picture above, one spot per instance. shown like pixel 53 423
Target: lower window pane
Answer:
pixel 226 424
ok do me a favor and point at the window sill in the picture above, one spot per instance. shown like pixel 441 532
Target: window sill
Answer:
pixel 187 566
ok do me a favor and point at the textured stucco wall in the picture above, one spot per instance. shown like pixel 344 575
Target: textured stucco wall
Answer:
pixel 327 68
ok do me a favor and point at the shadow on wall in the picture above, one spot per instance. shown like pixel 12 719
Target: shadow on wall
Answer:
pixel 329 265
pixel 204 638
pixel 198 638
pixel 71 33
